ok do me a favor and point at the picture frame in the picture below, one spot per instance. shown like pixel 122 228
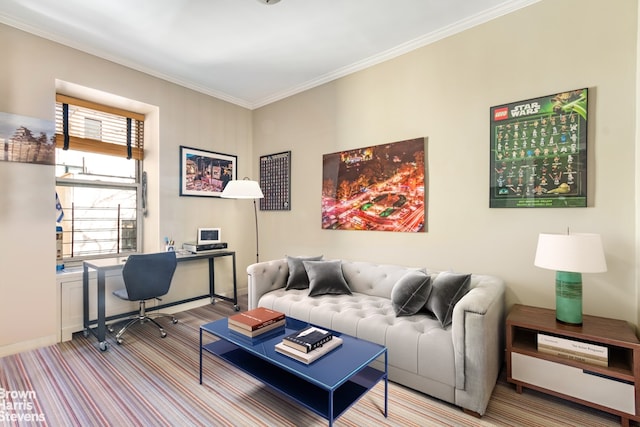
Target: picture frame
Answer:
pixel 539 152
pixel 26 139
pixel 275 181
pixel 376 188
pixel 205 173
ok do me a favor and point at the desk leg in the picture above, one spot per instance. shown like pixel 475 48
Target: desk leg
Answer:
pixel 85 299
pixel 200 355
pixel 101 327
pixel 235 284
pixel 212 281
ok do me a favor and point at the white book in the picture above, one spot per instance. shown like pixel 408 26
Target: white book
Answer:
pixel 599 361
pixel 568 346
pixel 313 354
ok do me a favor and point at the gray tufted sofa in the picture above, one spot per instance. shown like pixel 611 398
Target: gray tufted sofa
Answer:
pixel 458 364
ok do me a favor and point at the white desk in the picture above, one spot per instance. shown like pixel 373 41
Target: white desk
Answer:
pixel 105 264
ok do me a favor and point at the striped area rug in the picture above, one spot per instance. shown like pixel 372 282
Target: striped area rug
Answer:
pixel 148 381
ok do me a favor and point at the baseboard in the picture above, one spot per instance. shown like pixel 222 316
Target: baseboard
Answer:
pixel 21 346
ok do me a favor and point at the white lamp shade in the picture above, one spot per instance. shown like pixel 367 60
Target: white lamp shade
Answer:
pixel 578 253
pixel 242 189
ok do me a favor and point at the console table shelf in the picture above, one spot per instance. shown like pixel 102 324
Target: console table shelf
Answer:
pixel 612 388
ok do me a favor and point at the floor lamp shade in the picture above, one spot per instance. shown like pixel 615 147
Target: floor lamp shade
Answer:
pixel 245 189
pixel 570 255
pixel 242 189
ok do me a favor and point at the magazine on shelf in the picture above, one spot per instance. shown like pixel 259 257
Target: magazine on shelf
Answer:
pixel 552 344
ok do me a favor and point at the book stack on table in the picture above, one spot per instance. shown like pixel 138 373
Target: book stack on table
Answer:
pixel 575 350
pixel 308 344
pixel 253 323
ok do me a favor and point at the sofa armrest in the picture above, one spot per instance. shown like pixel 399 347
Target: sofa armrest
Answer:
pixel 264 277
pixel 478 341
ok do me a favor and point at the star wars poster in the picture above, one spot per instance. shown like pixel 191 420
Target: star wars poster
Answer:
pixel 539 152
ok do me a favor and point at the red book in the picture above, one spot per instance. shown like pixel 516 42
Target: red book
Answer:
pixel 256 318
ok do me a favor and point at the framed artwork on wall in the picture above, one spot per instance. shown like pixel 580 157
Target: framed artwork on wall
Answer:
pixel 275 181
pixel 27 139
pixel 205 173
pixel 539 152
pixel 380 188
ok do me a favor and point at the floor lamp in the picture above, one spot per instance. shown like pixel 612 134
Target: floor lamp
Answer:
pixel 245 189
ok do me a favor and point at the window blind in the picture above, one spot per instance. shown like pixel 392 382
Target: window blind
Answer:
pixel 96 128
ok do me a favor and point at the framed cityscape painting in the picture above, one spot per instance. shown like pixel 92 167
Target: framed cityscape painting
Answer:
pixel 539 152
pixel 205 173
pixel 379 188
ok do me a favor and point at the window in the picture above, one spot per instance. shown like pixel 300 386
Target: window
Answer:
pixel 99 152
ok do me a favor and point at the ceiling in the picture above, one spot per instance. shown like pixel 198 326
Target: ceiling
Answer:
pixel 245 51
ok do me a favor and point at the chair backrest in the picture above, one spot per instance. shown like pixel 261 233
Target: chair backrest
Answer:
pixel 148 276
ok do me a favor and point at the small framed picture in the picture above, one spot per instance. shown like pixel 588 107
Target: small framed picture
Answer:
pixel 27 139
pixel 275 181
pixel 205 173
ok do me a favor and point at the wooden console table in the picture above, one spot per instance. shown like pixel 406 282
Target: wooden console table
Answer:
pixel 612 388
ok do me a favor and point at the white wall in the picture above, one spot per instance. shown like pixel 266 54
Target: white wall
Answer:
pixel 27 286
pixel 443 92
pixel 637 176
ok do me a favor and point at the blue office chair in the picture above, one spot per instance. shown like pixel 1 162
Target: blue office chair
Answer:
pixel 146 276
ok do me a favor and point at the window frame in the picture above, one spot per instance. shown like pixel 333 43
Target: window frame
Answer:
pixel 89 145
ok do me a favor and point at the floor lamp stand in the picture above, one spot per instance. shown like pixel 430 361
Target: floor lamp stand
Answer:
pixel 255 212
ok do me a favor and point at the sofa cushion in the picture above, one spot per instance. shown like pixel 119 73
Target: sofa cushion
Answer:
pixel 446 290
pixel 325 277
pixel 298 278
pixel 410 293
pixel 373 279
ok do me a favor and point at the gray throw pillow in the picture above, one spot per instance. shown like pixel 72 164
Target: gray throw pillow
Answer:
pixel 446 290
pixel 325 277
pixel 410 293
pixel 298 278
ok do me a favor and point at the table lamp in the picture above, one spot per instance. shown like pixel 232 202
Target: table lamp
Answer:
pixel 245 189
pixel 570 255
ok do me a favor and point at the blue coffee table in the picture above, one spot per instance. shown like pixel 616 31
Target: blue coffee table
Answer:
pixel 329 386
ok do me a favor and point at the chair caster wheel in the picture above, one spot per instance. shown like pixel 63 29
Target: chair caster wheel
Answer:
pixel 119 341
pixel 236 307
pixel 163 335
pixel 103 346
pixel 174 321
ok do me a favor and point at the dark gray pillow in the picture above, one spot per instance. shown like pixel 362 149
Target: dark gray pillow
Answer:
pixel 298 278
pixel 325 277
pixel 446 290
pixel 410 293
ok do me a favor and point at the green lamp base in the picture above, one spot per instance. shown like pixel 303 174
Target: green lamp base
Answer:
pixel 569 297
